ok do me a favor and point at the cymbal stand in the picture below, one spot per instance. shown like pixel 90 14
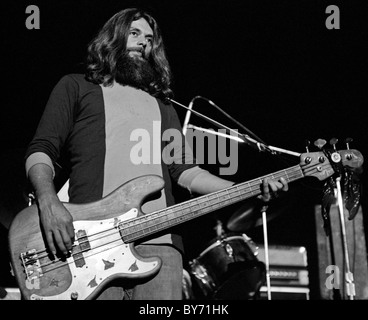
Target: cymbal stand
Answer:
pixel 349 278
pixel 264 220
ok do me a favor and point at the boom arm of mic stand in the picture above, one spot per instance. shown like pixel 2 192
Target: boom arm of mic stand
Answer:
pixel 190 126
pixel 259 146
pixel 271 149
pixel 250 141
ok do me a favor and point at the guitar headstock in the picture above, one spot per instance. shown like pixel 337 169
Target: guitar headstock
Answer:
pixel 325 163
pixel 322 165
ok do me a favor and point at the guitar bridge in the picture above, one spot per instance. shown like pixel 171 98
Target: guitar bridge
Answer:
pixel 31 264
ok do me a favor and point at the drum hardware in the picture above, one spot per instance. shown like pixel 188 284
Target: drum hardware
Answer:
pixel 31 198
pixel 187 286
pixel 221 236
pixel 229 251
pixel 252 245
pixel 219 229
pixel 206 284
pixel 228 268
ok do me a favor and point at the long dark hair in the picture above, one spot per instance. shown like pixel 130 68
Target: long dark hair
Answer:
pixel 110 42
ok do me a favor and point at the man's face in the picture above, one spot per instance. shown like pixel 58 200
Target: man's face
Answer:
pixel 139 43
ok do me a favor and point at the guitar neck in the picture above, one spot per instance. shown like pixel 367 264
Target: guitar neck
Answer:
pixel 154 222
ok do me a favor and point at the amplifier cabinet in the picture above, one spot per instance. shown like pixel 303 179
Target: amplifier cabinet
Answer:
pixel 288 272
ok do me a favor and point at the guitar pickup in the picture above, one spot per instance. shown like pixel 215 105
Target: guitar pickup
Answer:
pixel 31 264
pixel 82 247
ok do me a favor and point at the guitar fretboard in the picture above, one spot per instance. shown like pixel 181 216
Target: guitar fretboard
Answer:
pixel 155 222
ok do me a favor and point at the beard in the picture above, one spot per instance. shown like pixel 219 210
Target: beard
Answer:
pixel 135 72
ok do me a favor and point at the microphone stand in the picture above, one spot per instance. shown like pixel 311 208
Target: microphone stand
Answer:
pixel 265 241
pixel 349 278
pixel 258 144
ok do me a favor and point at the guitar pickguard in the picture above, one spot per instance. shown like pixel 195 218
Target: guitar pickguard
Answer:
pixel 104 256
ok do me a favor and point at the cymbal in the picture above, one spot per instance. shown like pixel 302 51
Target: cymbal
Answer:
pixel 249 215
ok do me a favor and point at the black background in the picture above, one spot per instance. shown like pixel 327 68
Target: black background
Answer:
pixel 272 65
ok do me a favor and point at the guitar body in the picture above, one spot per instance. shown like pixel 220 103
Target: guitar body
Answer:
pixel 99 254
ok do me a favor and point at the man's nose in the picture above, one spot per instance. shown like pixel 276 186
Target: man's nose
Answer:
pixel 142 41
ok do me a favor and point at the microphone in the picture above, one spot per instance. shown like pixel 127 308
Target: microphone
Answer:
pixel 187 116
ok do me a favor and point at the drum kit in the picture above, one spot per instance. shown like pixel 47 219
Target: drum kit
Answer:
pixel 228 268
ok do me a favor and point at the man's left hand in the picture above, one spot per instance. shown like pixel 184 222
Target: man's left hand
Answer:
pixel 271 188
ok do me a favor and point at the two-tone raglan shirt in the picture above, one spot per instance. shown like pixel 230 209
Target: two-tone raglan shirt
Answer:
pixel 112 134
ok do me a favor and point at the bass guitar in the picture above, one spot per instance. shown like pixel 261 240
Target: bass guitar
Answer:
pixel 107 229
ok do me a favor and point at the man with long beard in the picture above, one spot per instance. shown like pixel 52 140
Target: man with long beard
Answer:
pixel 89 119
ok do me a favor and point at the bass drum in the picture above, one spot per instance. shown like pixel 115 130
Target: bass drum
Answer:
pixel 228 269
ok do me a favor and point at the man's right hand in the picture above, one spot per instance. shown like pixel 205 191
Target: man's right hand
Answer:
pixel 56 220
pixel 57 223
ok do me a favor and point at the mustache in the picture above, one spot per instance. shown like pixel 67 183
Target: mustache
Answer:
pixel 139 49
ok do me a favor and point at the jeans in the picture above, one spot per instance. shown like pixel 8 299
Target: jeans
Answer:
pixel 166 285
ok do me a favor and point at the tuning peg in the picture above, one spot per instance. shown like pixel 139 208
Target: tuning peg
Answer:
pixel 319 143
pixel 307 144
pixel 333 143
pixel 348 141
